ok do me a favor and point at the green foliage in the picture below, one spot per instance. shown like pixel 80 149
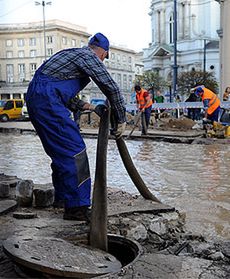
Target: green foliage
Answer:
pixel 188 80
pixel 151 80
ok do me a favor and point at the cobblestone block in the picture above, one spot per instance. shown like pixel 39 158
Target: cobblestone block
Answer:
pixel 43 197
pixel 4 190
pixel 24 192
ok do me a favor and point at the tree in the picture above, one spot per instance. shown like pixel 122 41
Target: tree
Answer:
pixel 151 80
pixel 188 80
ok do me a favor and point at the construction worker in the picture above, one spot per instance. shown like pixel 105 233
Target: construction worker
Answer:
pixel 50 97
pixel 211 103
pixel 144 105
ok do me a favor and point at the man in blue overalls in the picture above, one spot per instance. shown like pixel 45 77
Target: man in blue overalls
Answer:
pixel 50 97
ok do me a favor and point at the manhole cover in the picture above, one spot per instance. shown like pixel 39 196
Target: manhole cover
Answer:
pixel 61 258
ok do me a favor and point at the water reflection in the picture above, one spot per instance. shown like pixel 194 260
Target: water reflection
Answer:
pixel 193 178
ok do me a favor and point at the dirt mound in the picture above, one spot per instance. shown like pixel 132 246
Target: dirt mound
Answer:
pixel 92 120
pixel 89 120
pixel 178 124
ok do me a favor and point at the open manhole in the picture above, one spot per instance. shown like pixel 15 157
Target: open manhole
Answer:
pixel 54 257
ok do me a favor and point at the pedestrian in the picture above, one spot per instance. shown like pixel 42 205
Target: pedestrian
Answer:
pixel 144 105
pixel 159 98
pixel 193 113
pixel 226 94
pixel 211 103
pixel 50 97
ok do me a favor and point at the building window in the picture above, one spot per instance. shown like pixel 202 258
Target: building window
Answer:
pixel 32 41
pixel 171 26
pixel 9 54
pixel 113 75
pixel 21 72
pixel 74 42
pixel 82 43
pixel 49 39
pixel 64 40
pixel 183 19
pixel 112 56
pixel 159 25
pixel 119 80
pixel 130 82
pixel 33 53
pixel 118 57
pixel 50 51
pixel 124 58
pixel 21 42
pixel 9 43
pixel 33 67
pixel 130 59
pixel 9 73
pixel 153 34
pixel 21 53
pixel 125 82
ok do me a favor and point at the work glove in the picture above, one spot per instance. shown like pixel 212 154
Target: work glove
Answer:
pixel 120 130
pixel 100 109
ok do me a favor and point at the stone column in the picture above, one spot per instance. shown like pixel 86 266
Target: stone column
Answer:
pixel 224 34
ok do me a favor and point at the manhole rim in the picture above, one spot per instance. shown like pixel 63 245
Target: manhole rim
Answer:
pixel 43 269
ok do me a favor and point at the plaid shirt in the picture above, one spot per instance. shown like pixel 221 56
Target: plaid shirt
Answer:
pixel 81 63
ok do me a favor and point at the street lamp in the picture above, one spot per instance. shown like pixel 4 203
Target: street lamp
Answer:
pixel 205 47
pixel 44 3
pixel 175 50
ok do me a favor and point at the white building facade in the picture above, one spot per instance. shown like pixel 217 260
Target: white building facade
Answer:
pixel 197 38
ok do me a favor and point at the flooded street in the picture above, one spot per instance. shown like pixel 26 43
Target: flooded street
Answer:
pixel 193 178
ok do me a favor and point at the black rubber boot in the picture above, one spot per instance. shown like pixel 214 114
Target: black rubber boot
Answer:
pixel 81 213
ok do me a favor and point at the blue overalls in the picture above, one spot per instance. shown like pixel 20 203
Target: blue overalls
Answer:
pixel 46 100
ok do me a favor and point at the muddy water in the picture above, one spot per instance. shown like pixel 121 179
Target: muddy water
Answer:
pixel 193 178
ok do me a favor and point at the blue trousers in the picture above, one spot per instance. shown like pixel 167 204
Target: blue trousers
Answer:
pixel 214 116
pixel 147 115
pixel 61 138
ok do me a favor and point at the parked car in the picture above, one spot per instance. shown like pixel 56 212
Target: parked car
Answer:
pixel 12 109
pixel 25 114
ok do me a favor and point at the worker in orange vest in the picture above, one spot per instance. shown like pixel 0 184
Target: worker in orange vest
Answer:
pixel 144 105
pixel 211 103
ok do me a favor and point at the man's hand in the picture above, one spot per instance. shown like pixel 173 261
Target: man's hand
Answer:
pixel 120 130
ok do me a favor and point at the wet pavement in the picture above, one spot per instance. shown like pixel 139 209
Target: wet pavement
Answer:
pixel 192 178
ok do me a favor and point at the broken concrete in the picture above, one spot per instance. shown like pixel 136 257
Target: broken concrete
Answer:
pixel 168 251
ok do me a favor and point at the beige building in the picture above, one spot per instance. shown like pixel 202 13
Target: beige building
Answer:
pixel 22 50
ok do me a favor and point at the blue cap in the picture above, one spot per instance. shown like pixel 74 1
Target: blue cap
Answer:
pixel 199 90
pixel 101 41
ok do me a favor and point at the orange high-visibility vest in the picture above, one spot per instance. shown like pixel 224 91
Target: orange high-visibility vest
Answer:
pixel 214 101
pixel 141 100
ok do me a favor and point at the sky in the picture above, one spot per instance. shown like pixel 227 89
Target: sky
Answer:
pixel 125 22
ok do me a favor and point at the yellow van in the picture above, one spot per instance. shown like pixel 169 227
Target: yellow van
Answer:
pixel 12 109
